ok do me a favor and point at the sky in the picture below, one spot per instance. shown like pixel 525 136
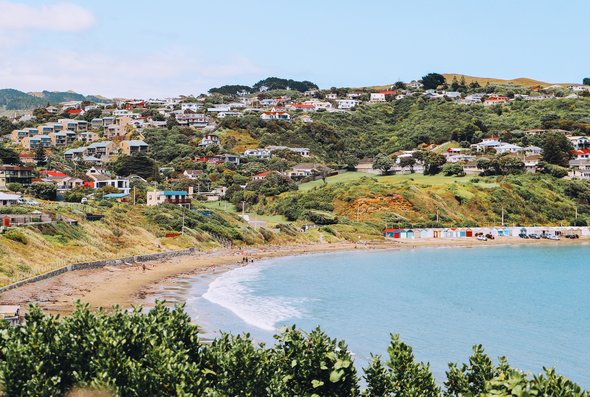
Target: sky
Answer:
pixel 155 48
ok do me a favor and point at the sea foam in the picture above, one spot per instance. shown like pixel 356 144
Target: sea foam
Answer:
pixel 230 291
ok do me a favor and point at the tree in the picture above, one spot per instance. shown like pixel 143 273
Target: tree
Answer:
pixel 6 126
pixel 550 121
pixel 557 149
pixel 433 163
pixel 140 165
pixel 15 187
pixel 586 81
pixel 405 162
pixel 43 191
pixel 92 114
pixel 40 156
pixel 171 122
pixel 383 163
pixel 432 80
pixel 453 169
pixel 323 172
pixel 401 376
pixel 510 165
pixel 8 155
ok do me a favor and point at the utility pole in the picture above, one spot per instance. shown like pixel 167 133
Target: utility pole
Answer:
pixel 243 208
pixel 437 217
pixel 502 216
pixel 182 231
pixel 133 195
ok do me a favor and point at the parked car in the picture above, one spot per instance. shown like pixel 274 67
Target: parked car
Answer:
pixel 490 236
pixel 523 235
pixel 553 237
pixel 535 236
pixel 84 200
pixel 572 236
pixel 481 237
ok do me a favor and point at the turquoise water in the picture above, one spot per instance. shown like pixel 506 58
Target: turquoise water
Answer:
pixel 531 304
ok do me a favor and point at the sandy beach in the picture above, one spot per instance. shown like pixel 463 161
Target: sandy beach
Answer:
pixel 128 285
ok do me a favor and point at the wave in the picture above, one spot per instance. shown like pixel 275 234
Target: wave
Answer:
pixel 231 292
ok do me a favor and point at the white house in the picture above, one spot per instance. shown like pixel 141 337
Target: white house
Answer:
pixel 189 106
pixel 377 97
pixel 347 103
pixel 209 139
pixel 258 153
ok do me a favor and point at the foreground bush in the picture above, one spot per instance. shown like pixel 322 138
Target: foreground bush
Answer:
pixel 159 354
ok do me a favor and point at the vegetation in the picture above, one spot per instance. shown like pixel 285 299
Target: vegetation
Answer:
pixel 12 99
pixel 159 353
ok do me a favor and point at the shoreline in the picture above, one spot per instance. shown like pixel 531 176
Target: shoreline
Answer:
pixel 129 284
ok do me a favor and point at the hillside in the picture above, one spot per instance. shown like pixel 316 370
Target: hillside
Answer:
pixel 11 99
pixel 522 81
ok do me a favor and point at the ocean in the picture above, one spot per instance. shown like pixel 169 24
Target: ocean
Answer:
pixel 528 303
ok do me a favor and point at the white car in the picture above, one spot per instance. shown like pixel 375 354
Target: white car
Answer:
pixel 482 238
pixel 553 237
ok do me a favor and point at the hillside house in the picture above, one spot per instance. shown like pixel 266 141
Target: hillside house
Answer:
pixel 101 179
pixel 209 139
pixel 7 199
pixel 347 103
pixel 258 153
pixel 33 142
pixel 176 197
pixel 275 116
pixel 261 176
pixel 15 174
pixel 134 147
pixel 192 174
pixel 101 150
pixel 196 120
pixel 579 169
pixel 377 98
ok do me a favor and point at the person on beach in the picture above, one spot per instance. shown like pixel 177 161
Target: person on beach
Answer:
pixel 143 267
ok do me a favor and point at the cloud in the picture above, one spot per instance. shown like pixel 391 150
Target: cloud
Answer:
pixel 166 73
pixel 62 17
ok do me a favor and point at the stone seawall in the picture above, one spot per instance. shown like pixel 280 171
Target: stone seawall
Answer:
pixel 99 264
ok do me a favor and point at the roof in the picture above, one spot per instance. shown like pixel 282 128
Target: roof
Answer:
pixel 135 142
pixel 115 195
pixel 174 193
pixel 100 144
pixel 7 196
pixel 265 173
pixel 55 174
pixel 74 111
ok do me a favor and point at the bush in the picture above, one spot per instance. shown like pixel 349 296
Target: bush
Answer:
pixel 15 187
pixel 43 191
pixel 453 169
pixel 16 235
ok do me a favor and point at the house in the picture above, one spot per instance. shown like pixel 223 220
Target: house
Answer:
pixel 532 162
pixel 189 106
pixel 306 107
pixel 505 148
pixel 118 197
pixel 192 174
pixel 34 142
pixel 377 97
pixel 258 153
pixel 470 168
pixel 75 154
pixel 580 142
pixel 101 179
pixel 15 174
pixel 261 176
pixel 101 150
pixel 177 197
pixel 17 136
pixel 27 158
pixel 276 115
pixel 532 150
pixel 209 139
pixel 306 118
pixel 347 103
pixel 317 104
pixel 229 159
pixel 222 115
pixel 487 143
pixel 7 199
pixel 302 170
pixel 366 165
pixel 196 120
pixel 219 108
pixel 331 96
pixel 62 138
pixel 581 154
pixel 579 169
pixel 134 147
pixel 496 100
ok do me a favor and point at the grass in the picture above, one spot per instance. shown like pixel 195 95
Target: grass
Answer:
pixel 389 179
pixel 340 178
pixel 229 207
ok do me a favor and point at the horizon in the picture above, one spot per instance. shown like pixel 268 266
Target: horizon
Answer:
pixel 121 50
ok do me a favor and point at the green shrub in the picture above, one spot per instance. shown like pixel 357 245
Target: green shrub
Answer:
pixel 16 235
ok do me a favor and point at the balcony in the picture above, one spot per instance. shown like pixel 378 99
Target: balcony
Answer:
pixel 178 201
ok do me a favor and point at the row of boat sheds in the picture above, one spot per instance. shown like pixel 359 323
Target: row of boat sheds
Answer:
pixel 499 231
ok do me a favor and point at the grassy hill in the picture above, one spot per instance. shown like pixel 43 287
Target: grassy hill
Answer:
pixel 522 81
pixel 414 200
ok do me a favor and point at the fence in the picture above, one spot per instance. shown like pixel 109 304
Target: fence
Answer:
pixel 98 264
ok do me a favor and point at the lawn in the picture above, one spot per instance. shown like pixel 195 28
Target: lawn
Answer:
pixel 389 179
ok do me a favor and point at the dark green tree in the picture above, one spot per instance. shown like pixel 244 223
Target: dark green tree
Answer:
pixel 8 155
pixel 557 149
pixel 432 80
pixel 383 163
pixel 43 191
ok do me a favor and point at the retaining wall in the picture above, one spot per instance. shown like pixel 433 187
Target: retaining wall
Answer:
pixel 99 264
